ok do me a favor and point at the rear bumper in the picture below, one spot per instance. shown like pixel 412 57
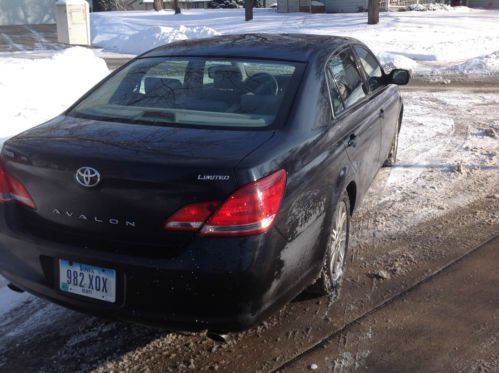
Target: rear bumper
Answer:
pixel 215 283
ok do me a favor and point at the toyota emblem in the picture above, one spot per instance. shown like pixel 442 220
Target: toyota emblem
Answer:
pixel 88 177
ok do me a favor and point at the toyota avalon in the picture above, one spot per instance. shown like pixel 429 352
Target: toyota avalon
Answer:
pixel 204 184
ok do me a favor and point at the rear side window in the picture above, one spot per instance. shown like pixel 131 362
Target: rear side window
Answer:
pixel 336 100
pixel 349 82
pixel 371 67
pixel 196 91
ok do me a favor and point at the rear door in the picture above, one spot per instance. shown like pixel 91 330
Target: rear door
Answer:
pixel 384 97
pixel 352 108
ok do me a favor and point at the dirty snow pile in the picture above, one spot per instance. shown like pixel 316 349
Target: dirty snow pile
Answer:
pixel 10 299
pixel 430 7
pixel 485 63
pixel 35 90
pixel 447 41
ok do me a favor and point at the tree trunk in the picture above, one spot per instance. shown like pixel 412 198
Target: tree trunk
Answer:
pixel 373 12
pixel 158 5
pixel 248 13
pixel 176 7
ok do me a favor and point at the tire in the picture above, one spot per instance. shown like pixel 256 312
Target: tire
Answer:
pixel 392 156
pixel 333 268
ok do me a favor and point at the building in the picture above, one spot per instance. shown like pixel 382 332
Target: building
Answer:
pixel 184 4
pixel 352 6
pixel 21 12
pixel 28 12
pixel 308 6
pixel 486 4
pixel 345 6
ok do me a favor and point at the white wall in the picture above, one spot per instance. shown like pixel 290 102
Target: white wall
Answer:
pixel 288 6
pixel 21 12
pixel 344 6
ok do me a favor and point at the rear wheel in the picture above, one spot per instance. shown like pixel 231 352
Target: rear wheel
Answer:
pixel 333 267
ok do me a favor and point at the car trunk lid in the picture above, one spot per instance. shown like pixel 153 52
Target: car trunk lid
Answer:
pixel 146 174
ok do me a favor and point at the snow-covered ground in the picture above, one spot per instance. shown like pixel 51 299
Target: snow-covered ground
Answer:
pixel 455 41
pixel 35 90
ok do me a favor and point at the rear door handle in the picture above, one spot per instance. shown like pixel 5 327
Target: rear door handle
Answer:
pixel 382 113
pixel 352 141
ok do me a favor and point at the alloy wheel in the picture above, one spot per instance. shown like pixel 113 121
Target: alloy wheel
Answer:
pixel 338 243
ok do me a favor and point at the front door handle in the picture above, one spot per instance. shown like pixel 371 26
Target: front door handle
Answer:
pixel 352 141
pixel 382 113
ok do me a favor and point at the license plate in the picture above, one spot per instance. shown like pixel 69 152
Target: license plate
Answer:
pixel 87 280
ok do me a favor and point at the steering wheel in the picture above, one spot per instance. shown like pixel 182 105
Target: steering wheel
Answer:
pixel 262 84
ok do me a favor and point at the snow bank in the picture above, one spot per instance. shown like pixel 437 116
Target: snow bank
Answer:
pixel 392 60
pixel 431 6
pixel 422 41
pixel 484 65
pixel 151 37
pixel 11 300
pixel 33 91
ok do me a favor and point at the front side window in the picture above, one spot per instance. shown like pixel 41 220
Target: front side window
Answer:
pixel 195 91
pixel 371 67
pixel 348 80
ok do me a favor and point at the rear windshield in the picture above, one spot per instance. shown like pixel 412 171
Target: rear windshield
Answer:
pixel 195 91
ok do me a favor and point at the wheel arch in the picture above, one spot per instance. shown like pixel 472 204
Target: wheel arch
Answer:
pixel 352 195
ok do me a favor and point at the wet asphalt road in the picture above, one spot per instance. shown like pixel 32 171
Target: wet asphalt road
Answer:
pixel 448 322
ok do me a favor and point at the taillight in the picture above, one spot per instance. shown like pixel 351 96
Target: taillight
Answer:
pixel 13 189
pixel 4 186
pixel 19 193
pixel 191 217
pixel 250 210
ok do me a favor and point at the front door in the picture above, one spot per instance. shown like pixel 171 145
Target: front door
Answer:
pixel 352 108
pixel 382 97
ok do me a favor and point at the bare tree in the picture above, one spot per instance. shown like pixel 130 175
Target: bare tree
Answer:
pixel 105 5
pixel 176 7
pixel 373 12
pixel 158 5
pixel 248 10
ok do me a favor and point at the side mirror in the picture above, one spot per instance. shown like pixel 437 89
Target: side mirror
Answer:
pixel 365 88
pixel 399 77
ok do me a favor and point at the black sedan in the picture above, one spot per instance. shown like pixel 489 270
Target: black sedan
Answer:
pixel 202 185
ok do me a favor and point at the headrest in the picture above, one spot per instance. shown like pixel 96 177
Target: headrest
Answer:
pixel 155 84
pixel 226 76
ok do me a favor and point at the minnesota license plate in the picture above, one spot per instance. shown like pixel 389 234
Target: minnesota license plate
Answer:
pixel 87 280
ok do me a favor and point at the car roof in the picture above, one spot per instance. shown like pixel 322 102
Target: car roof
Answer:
pixel 289 47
